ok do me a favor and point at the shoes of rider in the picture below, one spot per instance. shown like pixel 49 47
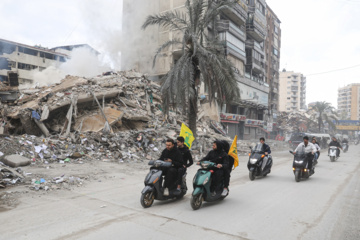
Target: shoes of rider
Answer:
pixel 166 192
pixel 224 193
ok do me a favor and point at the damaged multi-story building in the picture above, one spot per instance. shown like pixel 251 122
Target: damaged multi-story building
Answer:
pixel 17 60
pixel 243 28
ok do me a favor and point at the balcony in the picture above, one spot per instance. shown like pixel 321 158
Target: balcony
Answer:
pixel 254 64
pixel 275 90
pixel 235 51
pixel 294 89
pixel 222 25
pixel 256 24
pixel 237 13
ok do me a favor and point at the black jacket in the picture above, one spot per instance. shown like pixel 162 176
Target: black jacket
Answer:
pixel 186 156
pixel 266 148
pixel 335 143
pixel 218 156
pixel 175 155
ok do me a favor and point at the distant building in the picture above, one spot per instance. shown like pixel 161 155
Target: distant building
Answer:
pixel 20 59
pixel 349 101
pixel 292 91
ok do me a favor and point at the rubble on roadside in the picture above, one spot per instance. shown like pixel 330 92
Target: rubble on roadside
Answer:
pixel 294 121
pixel 116 118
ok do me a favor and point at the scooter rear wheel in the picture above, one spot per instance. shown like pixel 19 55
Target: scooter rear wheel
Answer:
pixel 196 201
pixel 147 199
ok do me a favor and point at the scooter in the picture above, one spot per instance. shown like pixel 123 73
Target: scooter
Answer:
pixel 332 153
pixel 300 166
pixel 256 158
pixel 356 142
pixel 202 182
pixel 154 185
pixel 345 147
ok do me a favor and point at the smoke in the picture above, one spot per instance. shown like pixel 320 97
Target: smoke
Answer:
pixel 115 30
pixel 138 46
pixel 82 62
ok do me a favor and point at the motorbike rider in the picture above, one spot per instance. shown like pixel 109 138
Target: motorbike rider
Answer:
pixel 335 143
pixel 309 150
pixel 185 151
pixel 173 155
pixel 317 146
pixel 227 171
pixel 220 157
pixel 346 142
pixel 186 156
pixel 266 149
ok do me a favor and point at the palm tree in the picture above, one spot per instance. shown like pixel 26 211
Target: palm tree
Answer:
pixel 323 112
pixel 202 57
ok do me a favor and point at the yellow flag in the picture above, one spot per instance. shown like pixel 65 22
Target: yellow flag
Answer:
pixel 187 134
pixel 233 152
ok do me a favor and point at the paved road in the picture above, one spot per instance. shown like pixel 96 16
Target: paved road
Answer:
pixel 326 206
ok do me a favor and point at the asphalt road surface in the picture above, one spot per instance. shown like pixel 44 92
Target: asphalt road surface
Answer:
pixel 326 206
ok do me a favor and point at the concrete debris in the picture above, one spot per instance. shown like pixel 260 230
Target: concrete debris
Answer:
pixel 16 160
pixel 113 118
pixel 295 122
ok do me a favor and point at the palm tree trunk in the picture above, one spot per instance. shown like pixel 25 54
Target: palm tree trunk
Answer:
pixel 193 112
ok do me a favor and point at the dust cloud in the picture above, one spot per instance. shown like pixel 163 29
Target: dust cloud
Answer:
pixel 82 62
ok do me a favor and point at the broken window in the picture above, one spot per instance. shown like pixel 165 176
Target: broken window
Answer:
pixel 47 55
pixel 25 66
pixel 28 51
pixel 7 48
pixel 5 64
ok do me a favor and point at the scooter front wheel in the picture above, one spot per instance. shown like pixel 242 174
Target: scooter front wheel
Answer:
pixel 147 199
pixel 252 175
pixel 196 201
pixel 297 175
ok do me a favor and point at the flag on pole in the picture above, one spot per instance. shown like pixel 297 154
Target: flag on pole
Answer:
pixel 187 134
pixel 233 152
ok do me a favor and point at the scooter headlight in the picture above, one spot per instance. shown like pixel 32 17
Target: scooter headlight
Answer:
pixel 204 165
pixel 299 162
pixel 206 181
pixel 253 160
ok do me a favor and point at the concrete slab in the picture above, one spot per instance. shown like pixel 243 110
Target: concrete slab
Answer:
pixel 16 161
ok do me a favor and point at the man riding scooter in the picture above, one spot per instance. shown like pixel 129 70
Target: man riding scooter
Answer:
pixel 174 174
pixel 309 150
pixel 335 143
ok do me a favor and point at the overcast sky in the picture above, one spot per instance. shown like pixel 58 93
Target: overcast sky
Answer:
pixel 317 35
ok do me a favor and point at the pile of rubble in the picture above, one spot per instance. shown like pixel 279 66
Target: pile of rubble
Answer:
pixel 295 121
pixel 114 118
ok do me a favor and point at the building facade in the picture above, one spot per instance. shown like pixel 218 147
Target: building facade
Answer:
pixel 349 101
pixel 20 59
pixel 272 59
pixel 243 30
pixel 292 95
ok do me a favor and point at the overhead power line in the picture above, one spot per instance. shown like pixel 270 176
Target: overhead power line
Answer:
pixel 335 70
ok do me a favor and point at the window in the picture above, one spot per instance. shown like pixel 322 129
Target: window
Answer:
pixel 276 30
pixel 235 41
pixel 275 51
